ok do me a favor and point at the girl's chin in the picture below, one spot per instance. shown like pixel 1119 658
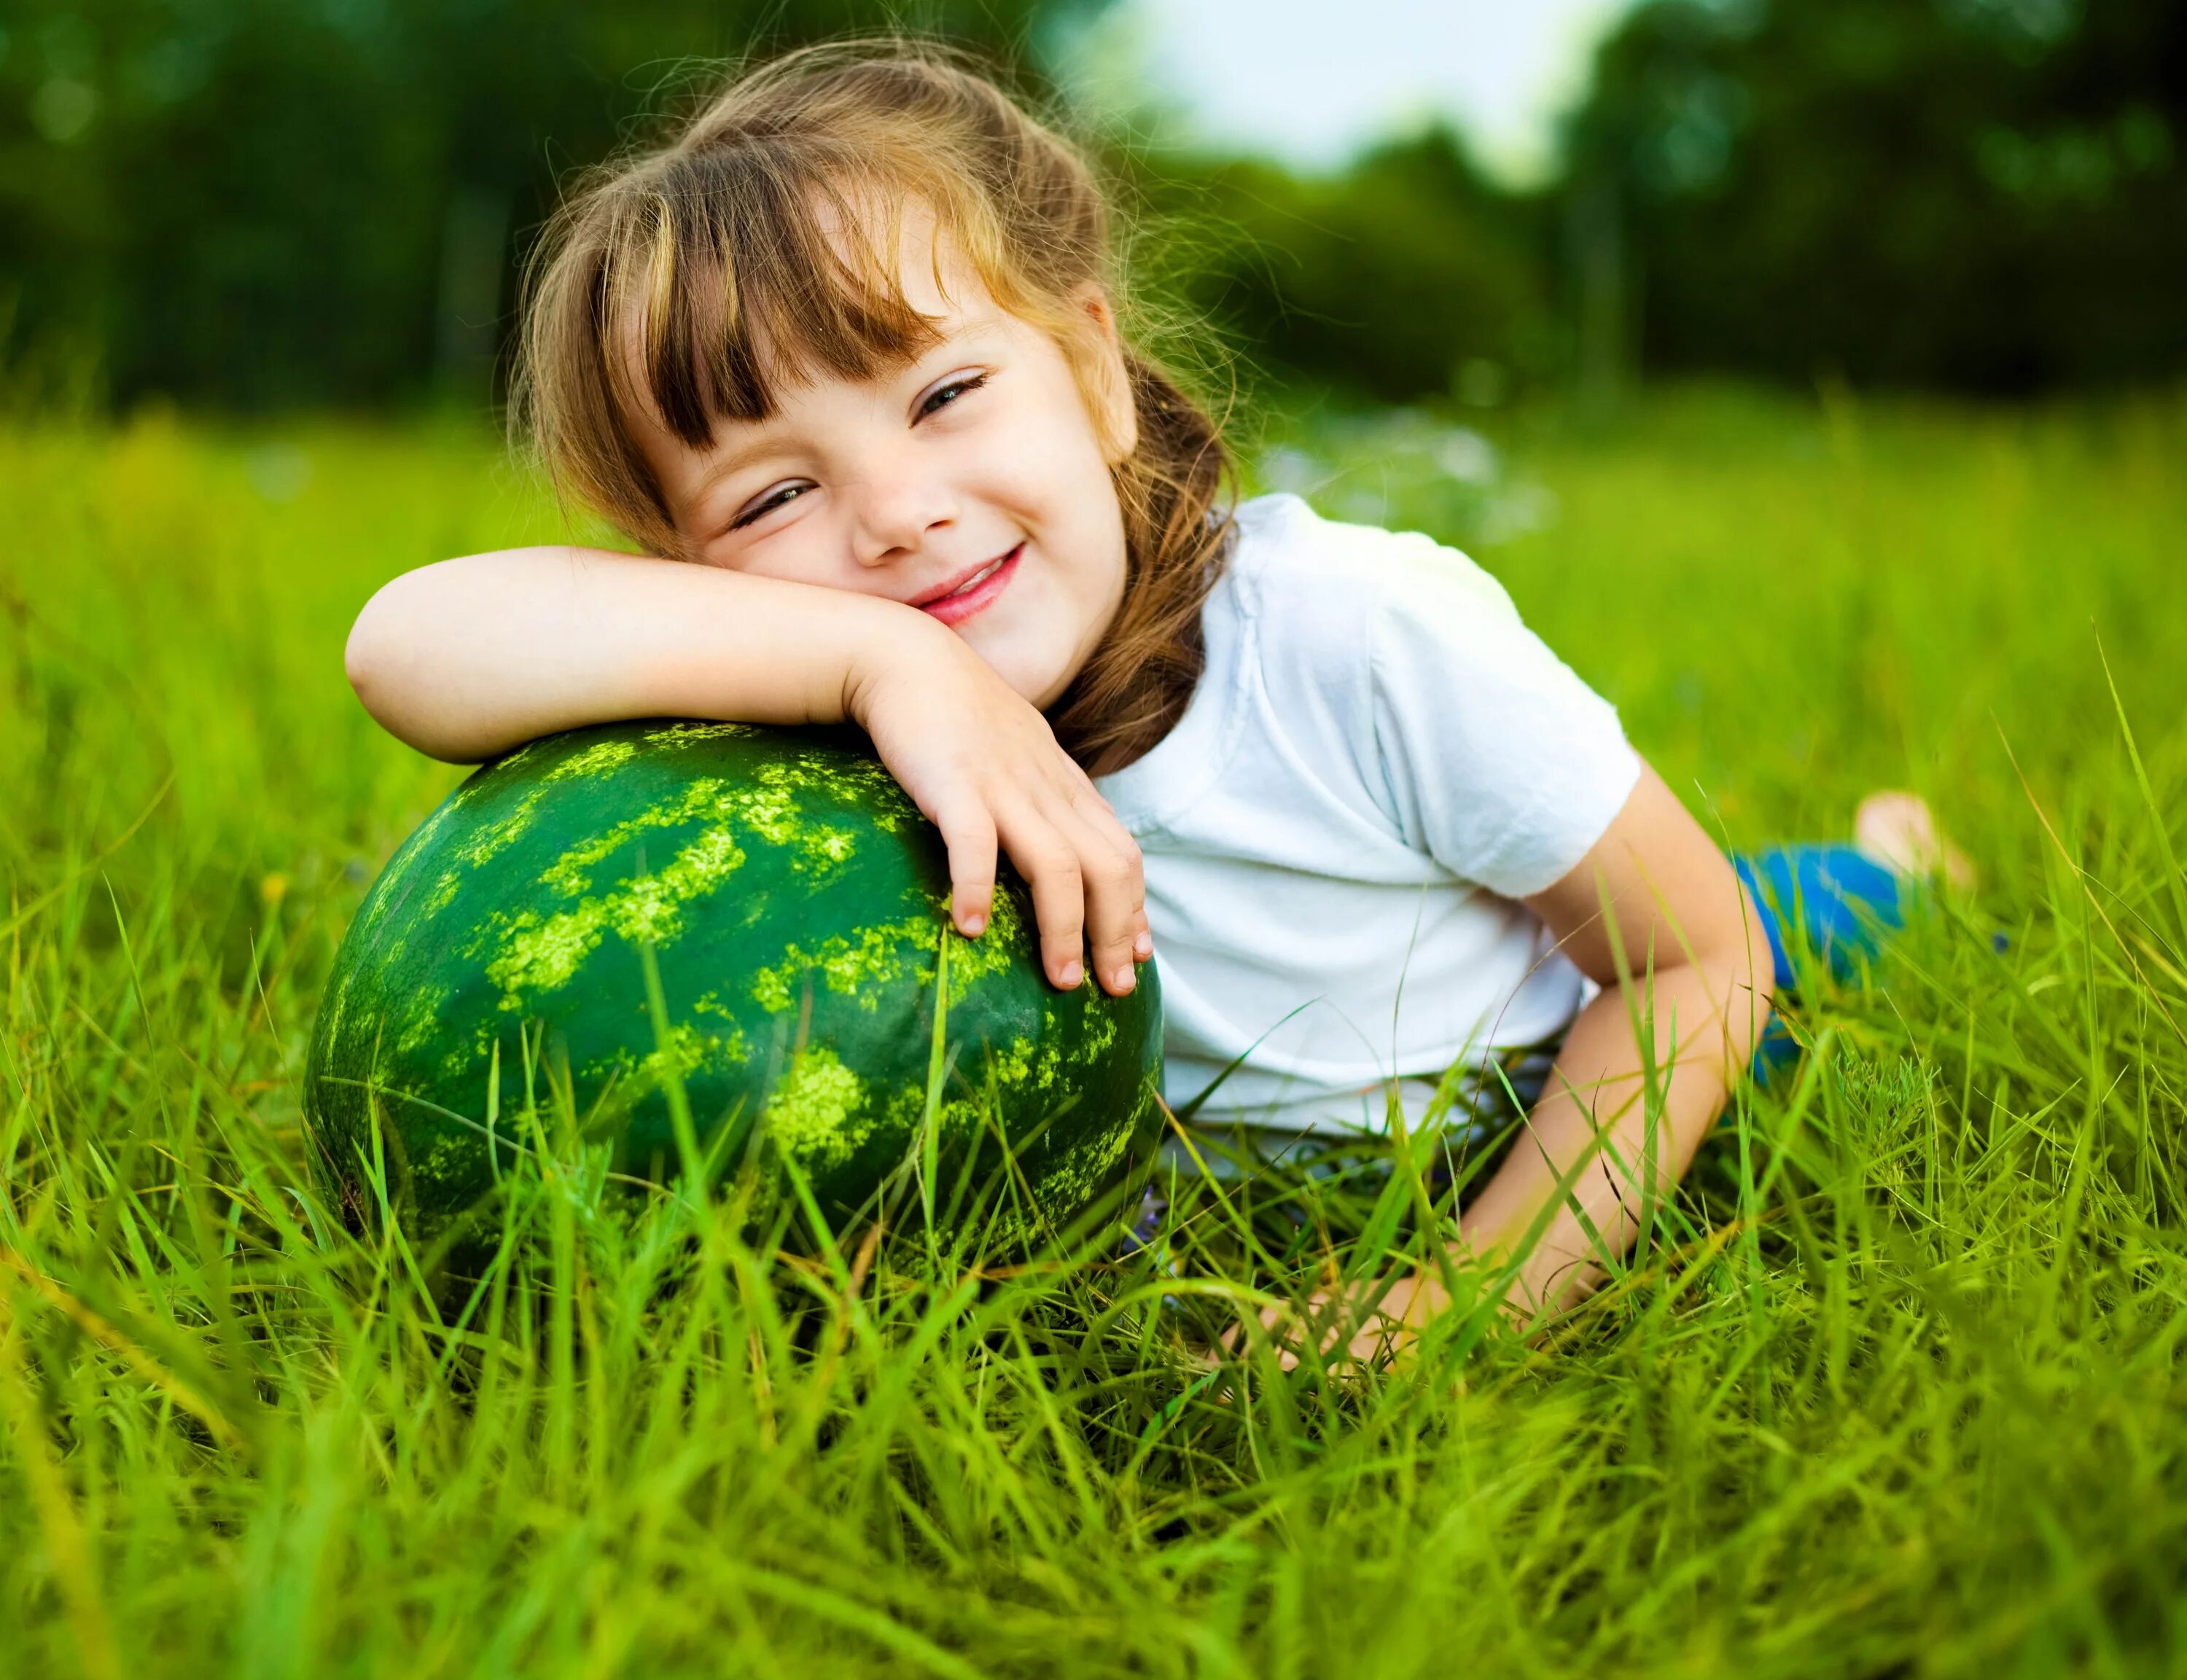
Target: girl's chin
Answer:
pixel 1039 678
pixel 1031 646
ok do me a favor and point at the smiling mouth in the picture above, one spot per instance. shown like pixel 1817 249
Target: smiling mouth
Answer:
pixel 978 589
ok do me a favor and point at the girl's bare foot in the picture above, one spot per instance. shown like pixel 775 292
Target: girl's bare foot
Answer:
pixel 1899 831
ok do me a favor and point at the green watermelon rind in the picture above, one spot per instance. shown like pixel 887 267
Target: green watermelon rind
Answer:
pixel 506 934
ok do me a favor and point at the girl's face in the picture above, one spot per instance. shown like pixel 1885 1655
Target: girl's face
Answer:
pixel 973 483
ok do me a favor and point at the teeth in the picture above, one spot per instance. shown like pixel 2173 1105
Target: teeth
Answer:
pixel 974 581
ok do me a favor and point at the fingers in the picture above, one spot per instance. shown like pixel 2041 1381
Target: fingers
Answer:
pixel 1034 803
pixel 1359 1331
pixel 1271 1318
pixel 1088 889
pixel 1115 899
pixel 970 834
pixel 1050 866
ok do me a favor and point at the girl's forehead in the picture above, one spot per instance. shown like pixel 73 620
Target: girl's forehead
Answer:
pixel 901 249
pixel 929 270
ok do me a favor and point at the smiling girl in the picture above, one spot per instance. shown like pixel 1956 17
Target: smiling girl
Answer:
pixel 844 359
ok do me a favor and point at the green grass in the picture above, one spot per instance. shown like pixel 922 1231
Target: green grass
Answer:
pixel 1899 1392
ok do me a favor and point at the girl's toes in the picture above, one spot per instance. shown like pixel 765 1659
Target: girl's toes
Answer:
pixel 1899 831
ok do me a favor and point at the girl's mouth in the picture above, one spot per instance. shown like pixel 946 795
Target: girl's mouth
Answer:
pixel 975 592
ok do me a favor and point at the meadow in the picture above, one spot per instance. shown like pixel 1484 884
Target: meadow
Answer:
pixel 1897 1391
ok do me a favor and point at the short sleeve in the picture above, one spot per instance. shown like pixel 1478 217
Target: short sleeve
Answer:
pixel 1497 759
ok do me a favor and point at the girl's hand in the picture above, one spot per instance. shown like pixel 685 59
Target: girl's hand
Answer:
pixel 981 762
pixel 1376 1324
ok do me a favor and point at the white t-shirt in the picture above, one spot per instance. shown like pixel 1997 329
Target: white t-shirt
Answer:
pixel 1379 760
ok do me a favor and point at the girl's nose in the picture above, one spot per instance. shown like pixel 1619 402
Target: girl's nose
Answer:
pixel 893 516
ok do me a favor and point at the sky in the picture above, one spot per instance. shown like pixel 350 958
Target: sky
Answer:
pixel 1309 80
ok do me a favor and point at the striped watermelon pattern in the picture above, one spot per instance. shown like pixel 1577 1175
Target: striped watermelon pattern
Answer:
pixel 796 903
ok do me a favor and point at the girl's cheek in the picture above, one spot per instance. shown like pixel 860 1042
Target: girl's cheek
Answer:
pixel 808 550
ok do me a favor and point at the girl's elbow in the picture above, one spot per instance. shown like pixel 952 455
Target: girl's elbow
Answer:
pixel 1729 956
pixel 382 660
pixel 363 658
pixel 1748 964
pixel 367 655
pixel 380 650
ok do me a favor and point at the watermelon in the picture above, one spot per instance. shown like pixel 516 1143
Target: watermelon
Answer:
pixel 492 990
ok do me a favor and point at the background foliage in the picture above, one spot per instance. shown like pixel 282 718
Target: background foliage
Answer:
pixel 257 203
pixel 264 202
pixel 1983 194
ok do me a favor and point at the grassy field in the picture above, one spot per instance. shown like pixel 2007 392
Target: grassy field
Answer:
pixel 1900 1392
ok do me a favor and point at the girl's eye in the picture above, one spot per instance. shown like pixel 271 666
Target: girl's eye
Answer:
pixel 768 504
pixel 947 392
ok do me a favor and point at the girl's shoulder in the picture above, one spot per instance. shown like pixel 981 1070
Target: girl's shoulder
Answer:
pixel 1328 587
pixel 1390 663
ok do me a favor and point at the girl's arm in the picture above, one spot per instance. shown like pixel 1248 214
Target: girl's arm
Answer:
pixel 468 658
pixel 1700 983
pixel 1700 976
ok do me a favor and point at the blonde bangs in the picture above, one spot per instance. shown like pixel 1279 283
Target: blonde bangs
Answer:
pixel 736 275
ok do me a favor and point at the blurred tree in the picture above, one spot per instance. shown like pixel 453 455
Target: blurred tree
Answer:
pixel 253 203
pixel 1980 194
pixel 263 202
pixel 1406 275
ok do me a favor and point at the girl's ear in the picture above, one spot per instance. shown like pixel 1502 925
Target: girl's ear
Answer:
pixel 1103 375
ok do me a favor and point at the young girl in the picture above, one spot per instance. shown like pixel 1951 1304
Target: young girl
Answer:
pixel 844 359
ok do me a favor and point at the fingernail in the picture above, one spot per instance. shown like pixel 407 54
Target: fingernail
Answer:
pixel 1073 972
pixel 1126 980
pixel 974 925
pixel 1144 946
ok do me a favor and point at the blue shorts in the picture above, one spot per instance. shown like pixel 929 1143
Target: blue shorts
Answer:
pixel 1837 903
pixel 1826 903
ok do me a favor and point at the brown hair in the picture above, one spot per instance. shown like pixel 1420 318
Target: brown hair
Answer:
pixel 661 277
